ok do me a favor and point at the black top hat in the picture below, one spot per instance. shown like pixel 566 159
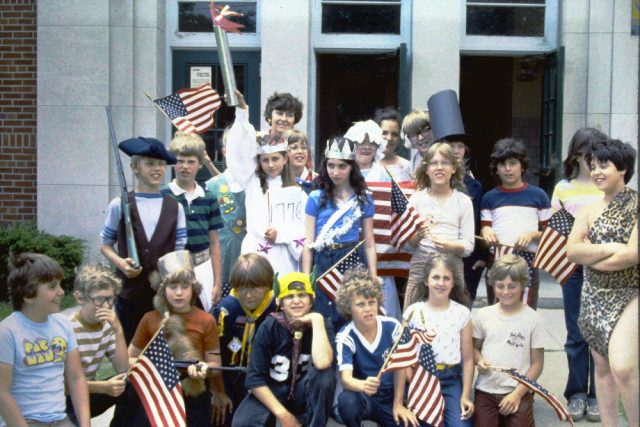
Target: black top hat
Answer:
pixel 446 120
pixel 147 147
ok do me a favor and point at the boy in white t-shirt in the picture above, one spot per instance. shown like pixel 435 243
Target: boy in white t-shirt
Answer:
pixel 508 334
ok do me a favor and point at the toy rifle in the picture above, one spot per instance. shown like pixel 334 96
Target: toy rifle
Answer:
pixel 124 196
pixel 184 364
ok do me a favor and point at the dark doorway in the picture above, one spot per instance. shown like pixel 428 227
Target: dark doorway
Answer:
pixel 351 88
pixel 501 97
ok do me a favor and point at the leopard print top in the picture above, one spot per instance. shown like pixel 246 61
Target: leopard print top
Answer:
pixel 606 294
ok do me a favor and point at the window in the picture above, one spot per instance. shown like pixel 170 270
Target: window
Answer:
pixel 506 18
pixel 194 16
pixel 361 16
pixel 509 25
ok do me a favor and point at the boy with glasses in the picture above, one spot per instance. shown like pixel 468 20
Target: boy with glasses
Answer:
pixel 417 128
pixel 99 335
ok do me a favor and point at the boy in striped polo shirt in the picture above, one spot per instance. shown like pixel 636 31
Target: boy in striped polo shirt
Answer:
pixel 202 213
pixel 99 334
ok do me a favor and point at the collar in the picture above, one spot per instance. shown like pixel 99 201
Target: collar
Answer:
pixel 177 190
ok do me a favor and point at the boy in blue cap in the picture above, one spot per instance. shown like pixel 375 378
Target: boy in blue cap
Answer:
pixel 159 227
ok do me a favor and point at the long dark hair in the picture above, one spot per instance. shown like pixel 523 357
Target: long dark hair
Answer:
pixel 581 143
pixel 356 180
pixel 287 179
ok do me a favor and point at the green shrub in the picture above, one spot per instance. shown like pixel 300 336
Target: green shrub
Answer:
pixel 25 237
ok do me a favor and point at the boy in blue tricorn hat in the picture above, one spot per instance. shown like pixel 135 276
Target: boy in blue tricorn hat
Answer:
pixel 159 227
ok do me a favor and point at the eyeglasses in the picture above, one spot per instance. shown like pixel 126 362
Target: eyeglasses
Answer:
pixel 100 300
pixel 253 290
pixel 423 134
pixel 436 163
pixel 297 147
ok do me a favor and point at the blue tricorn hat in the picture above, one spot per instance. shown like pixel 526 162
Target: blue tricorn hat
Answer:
pixel 446 120
pixel 147 147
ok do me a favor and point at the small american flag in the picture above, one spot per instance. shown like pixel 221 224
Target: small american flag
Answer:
pixel 405 221
pixel 406 353
pixel 157 382
pixel 331 281
pixel 191 110
pixel 391 261
pixel 425 396
pixel 552 251
pixel 562 413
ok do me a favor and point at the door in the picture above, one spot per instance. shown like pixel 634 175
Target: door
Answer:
pixel 191 66
pixel 551 128
pixel 350 88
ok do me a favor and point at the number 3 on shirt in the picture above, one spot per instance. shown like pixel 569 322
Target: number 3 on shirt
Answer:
pixel 280 365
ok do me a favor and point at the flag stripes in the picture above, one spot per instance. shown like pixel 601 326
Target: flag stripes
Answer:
pixel 552 251
pixel 391 261
pixel 191 110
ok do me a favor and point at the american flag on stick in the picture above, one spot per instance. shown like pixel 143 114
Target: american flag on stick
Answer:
pixel 562 413
pixel 425 397
pixel 157 382
pixel 331 280
pixel 191 110
pixel 551 255
pixel 406 353
pixel 391 261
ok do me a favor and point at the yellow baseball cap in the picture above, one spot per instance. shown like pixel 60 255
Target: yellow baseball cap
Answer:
pixel 294 283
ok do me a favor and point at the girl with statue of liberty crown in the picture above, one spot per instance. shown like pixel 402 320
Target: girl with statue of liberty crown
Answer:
pixel 261 171
pixel 339 214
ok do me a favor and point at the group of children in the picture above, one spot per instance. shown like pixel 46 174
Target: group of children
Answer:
pixel 268 325
pixel 274 321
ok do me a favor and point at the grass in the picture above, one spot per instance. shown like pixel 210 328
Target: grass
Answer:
pixel 6 307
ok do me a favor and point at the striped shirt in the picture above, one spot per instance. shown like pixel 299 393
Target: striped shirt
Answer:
pixel 574 195
pixel 94 343
pixel 202 213
pixel 512 212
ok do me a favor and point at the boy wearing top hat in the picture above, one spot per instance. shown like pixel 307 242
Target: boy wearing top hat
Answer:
pixel 289 374
pixel 159 227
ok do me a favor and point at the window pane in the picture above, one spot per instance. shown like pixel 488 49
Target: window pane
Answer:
pixel 365 19
pixel 505 21
pixel 194 17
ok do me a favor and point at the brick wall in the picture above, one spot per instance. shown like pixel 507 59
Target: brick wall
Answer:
pixel 17 110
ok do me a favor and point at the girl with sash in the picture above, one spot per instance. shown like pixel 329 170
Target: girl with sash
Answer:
pixel 260 171
pixel 339 215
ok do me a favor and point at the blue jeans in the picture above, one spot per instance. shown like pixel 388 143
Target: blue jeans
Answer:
pixel 354 407
pixel 451 387
pixel 311 402
pixel 580 383
pixel 323 260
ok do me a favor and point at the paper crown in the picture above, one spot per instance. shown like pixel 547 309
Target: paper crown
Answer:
pixel 272 144
pixel 173 262
pixel 333 150
pixel 293 283
pixel 366 131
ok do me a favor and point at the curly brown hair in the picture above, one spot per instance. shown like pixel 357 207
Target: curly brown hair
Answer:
pixel 357 282
pixel 96 277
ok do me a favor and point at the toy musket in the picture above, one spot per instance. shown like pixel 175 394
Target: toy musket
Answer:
pixel 184 364
pixel 124 196
pixel 220 27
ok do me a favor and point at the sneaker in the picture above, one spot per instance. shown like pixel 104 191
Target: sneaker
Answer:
pixel 577 408
pixel 593 412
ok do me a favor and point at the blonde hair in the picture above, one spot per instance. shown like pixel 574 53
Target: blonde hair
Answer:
pixel 188 144
pixel 422 178
pixel 357 282
pixel 415 121
pixel 511 266
pixel 95 277
pixel 160 301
